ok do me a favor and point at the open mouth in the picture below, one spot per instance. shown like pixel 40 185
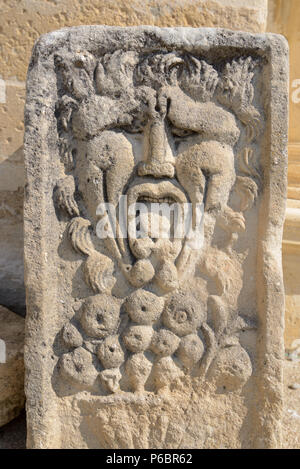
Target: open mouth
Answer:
pixel 154 212
pixel 156 192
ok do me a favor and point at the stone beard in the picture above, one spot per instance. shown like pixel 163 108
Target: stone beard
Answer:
pixel 155 329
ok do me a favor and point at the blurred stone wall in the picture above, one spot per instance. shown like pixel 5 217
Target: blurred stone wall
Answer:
pixel 284 18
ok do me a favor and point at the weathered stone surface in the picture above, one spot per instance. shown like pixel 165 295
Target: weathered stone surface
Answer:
pixel 170 116
pixel 12 396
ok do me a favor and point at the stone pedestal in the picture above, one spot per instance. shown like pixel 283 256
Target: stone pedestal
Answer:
pixel 141 334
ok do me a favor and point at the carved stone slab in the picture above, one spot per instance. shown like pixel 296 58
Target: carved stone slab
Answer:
pixel 141 340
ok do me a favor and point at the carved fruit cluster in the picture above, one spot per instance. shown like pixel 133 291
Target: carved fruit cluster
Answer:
pixel 145 338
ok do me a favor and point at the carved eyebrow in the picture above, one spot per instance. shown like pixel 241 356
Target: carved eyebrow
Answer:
pixel 176 124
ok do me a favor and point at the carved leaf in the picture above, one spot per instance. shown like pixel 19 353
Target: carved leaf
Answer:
pixel 99 270
pixel 199 79
pixel 80 237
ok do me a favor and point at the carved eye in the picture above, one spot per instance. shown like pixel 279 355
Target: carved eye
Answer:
pixel 136 127
pixel 182 132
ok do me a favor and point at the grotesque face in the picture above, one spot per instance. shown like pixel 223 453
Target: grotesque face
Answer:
pixel 161 146
pixel 100 316
pixel 154 130
pixel 152 138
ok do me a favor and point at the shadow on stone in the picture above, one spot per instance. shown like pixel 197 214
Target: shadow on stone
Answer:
pixel 13 435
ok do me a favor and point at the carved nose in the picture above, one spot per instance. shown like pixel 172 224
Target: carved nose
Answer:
pixel 157 152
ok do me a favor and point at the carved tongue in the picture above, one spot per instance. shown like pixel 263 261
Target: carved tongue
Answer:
pixel 153 223
pixel 154 234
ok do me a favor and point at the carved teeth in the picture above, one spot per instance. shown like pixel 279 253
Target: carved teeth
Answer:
pixel 159 200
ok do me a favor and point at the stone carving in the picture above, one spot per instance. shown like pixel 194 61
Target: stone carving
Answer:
pixel 156 314
pixel 164 99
